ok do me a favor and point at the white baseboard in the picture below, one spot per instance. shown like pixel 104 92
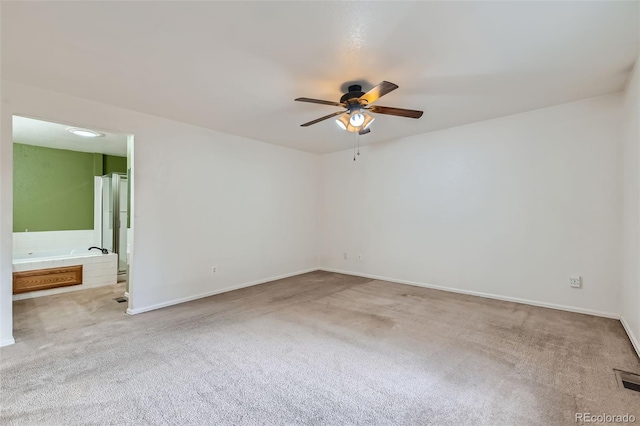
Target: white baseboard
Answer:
pixel 213 293
pixel 480 294
pixel 634 339
pixel 7 342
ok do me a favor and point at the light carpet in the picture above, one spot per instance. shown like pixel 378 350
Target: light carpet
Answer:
pixel 319 349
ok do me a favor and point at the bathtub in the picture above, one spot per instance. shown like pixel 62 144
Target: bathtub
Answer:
pixel 97 269
pixel 53 254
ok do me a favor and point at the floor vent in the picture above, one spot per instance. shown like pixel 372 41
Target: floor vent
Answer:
pixel 628 380
pixel 120 299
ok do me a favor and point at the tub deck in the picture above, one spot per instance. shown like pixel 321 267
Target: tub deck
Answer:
pixel 95 270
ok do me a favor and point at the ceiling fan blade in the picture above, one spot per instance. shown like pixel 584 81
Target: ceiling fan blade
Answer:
pixel 322 118
pixel 377 92
pixel 319 101
pixel 400 112
pixel 365 131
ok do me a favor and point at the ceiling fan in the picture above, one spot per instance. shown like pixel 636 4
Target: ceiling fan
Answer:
pixel 356 117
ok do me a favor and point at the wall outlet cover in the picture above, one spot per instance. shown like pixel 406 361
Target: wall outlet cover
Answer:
pixel 575 281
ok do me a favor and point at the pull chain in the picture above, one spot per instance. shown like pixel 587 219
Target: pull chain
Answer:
pixel 358 137
pixel 354 145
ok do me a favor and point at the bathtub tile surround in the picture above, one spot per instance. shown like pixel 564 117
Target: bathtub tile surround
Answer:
pixel 24 242
pixel 97 270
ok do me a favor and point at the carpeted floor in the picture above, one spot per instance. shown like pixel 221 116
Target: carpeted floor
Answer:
pixel 319 348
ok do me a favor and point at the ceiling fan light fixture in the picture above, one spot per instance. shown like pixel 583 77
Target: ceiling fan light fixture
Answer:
pixel 344 123
pixel 356 119
pixel 368 119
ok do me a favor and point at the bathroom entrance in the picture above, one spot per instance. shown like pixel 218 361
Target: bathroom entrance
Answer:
pixel 72 239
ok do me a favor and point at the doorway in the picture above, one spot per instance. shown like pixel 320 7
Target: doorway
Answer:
pixel 72 205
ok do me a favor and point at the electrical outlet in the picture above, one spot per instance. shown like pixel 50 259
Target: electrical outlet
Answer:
pixel 575 281
pixel 214 270
pixel 345 256
pixel 360 256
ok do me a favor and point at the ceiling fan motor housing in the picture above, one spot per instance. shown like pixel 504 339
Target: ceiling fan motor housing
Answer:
pixel 351 97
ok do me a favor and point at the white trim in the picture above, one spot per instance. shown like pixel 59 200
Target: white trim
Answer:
pixel 480 294
pixel 213 293
pixel 97 211
pixel 634 340
pixel 131 259
pixel 7 342
pixel 126 294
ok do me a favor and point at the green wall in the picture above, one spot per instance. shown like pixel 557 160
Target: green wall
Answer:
pixel 113 164
pixel 53 188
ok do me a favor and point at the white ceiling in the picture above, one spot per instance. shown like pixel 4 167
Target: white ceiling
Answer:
pixel 28 131
pixel 237 66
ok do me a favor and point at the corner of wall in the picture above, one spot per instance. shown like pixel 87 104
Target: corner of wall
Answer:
pixel 635 342
pixel 6 221
pixel 7 342
pixel 630 317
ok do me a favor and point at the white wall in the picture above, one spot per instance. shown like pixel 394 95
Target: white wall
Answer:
pixel 202 198
pixel 508 207
pixel 631 211
pixel 6 222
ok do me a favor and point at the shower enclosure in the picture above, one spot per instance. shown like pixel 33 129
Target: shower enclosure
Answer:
pixel 115 217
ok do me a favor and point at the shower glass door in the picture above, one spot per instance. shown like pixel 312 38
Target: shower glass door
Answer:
pixel 114 217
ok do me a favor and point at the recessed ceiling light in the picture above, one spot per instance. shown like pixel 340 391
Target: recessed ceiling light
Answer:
pixel 85 133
